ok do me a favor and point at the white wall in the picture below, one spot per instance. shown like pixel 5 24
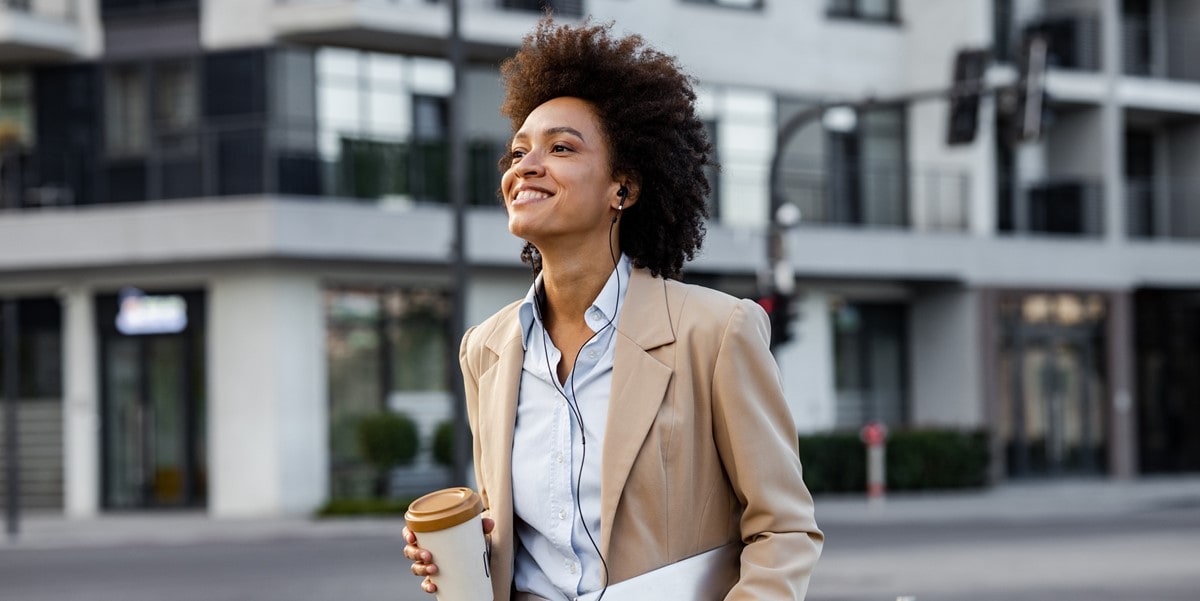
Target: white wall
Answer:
pixel 807 364
pixel 267 406
pixel 236 23
pixel 944 352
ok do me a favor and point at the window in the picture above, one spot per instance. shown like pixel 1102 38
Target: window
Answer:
pixel 16 109
pixel 39 348
pixel 126 117
pixel 563 8
pixel 748 4
pixel 382 127
pixel 383 346
pixel 122 8
pixel 867 10
pixel 869 362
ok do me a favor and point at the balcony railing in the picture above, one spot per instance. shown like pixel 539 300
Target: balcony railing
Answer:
pixel 922 199
pixel 566 8
pixel 1163 208
pixel 1169 52
pixel 1074 39
pixel 1064 207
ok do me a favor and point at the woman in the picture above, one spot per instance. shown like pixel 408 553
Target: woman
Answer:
pixel 622 421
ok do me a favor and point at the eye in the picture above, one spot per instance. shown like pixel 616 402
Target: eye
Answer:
pixel 516 154
pixel 560 148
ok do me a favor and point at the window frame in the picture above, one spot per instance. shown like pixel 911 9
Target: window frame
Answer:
pixel 854 12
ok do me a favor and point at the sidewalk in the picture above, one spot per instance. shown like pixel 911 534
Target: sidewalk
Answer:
pixel 1059 500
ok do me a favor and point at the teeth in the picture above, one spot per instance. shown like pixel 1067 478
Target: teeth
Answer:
pixel 531 195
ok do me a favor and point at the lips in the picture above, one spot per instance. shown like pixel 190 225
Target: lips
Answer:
pixel 527 193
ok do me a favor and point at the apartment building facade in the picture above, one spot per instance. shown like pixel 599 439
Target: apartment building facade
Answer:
pixel 225 228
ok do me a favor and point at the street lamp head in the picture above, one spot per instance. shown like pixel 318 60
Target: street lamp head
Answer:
pixel 788 215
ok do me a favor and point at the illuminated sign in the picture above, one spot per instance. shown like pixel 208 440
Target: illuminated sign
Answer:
pixel 141 313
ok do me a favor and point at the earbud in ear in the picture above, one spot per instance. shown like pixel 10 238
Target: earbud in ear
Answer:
pixel 623 192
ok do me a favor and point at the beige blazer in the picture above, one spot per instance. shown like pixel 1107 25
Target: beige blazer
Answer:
pixel 699 450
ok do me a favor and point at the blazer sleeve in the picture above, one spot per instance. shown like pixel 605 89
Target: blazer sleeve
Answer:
pixel 757 443
pixel 471 393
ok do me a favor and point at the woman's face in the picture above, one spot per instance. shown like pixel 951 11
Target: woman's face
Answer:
pixel 560 184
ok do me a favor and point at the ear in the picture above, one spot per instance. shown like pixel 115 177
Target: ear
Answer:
pixel 627 193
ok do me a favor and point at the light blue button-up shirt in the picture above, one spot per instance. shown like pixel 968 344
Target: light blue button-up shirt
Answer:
pixel 554 557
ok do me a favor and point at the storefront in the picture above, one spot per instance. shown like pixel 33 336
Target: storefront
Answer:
pixel 152 401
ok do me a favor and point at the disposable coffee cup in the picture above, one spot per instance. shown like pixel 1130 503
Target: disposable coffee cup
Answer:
pixel 447 523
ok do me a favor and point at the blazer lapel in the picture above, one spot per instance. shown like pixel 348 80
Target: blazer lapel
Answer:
pixel 639 386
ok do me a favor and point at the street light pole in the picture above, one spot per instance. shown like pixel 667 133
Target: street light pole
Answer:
pixel 11 389
pixel 458 200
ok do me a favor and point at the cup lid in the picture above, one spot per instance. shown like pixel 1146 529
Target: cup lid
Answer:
pixel 443 509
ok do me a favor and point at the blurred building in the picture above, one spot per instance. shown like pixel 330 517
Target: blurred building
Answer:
pixel 225 223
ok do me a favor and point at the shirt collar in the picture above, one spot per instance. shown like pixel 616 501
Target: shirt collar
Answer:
pixel 607 305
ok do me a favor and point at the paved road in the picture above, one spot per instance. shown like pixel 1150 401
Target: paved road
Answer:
pixel 1149 555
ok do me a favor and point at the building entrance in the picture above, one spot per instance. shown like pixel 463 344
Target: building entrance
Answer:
pixel 1052 384
pixel 152 378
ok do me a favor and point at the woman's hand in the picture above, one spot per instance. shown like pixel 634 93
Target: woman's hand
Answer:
pixel 423 560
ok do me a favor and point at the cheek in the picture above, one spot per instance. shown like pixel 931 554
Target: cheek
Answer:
pixel 506 184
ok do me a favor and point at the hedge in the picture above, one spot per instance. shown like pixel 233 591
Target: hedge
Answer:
pixel 917 459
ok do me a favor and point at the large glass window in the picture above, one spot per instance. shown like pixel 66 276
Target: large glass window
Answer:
pixel 16 109
pixel 126 115
pixel 39 348
pixel 387 351
pixel 869 363
pixel 1052 383
pixel 383 125
pixel 850 166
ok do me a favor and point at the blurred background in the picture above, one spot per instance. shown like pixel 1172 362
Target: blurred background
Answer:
pixel 228 242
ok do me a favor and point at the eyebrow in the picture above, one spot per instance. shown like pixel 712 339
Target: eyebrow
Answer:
pixel 561 129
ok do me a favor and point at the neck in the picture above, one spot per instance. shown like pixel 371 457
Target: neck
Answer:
pixel 571 286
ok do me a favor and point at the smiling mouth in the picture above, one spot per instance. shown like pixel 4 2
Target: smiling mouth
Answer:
pixel 530 195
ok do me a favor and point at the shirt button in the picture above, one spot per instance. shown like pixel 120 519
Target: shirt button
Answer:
pixel 560 457
pixel 562 514
pixel 593 355
pixel 574 568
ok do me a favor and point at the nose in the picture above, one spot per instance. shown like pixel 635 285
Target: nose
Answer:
pixel 530 165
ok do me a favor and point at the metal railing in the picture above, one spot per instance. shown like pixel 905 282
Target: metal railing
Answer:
pixel 566 8
pixel 1162 207
pixel 1168 52
pixel 1064 207
pixel 1074 40
pixel 919 199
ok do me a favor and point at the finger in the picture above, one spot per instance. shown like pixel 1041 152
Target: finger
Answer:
pixel 488 525
pixel 428 586
pixel 408 536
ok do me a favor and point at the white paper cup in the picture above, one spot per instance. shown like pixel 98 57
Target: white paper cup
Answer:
pixel 447 523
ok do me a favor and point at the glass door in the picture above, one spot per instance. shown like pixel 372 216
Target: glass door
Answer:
pixel 1052 386
pixel 153 417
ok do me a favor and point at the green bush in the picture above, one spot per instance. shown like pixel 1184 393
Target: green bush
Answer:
pixel 443 444
pixel 918 459
pixel 387 440
pixel 361 507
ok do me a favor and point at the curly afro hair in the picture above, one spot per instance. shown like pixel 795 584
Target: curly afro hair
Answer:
pixel 646 108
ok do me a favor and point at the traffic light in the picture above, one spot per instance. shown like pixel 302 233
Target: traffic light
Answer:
pixel 1030 116
pixel 969 69
pixel 779 309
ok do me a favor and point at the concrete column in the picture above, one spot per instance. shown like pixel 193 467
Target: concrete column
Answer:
pixel 267 414
pixel 81 403
pixel 944 343
pixel 1122 419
